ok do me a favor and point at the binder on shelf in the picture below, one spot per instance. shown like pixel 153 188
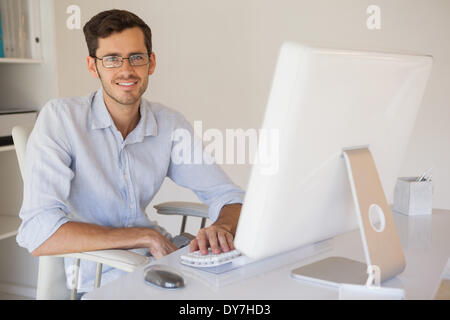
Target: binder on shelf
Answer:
pixel 2 50
pixel 19 41
pixel 10 37
pixel 5 28
pixel 21 29
pixel 34 25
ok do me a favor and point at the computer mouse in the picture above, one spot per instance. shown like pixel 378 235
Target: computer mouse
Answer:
pixel 163 277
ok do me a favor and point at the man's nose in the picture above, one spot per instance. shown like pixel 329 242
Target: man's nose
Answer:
pixel 126 68
pixel 126 64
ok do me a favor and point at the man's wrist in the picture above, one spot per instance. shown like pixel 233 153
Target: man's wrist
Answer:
pixel 145 237
pixel 229 217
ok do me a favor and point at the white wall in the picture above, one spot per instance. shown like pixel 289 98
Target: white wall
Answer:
pixel 216 61
pixel 203 50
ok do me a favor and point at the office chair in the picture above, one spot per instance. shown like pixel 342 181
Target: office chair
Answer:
pixel 51 282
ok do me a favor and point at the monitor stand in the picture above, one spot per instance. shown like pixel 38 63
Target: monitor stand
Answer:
pixel 382 247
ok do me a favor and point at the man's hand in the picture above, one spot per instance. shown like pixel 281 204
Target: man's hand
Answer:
pixel 216 237
pixel 220 235
pixel 91 237
pixel 160 246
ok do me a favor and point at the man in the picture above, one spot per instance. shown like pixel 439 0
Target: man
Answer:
pixel 94 163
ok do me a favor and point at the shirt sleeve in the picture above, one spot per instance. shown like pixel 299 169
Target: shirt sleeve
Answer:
pixel 47 179
pixel 194 168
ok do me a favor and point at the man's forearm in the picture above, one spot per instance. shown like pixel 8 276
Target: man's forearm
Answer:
pixel 80 237
pixel 229 217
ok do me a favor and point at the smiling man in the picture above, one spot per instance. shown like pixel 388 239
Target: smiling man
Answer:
pixel 95 163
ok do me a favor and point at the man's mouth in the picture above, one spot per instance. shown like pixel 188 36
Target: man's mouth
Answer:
pixel 127 83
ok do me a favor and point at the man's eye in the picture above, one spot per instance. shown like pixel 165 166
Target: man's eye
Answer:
pixel 111 59
pixel 136 58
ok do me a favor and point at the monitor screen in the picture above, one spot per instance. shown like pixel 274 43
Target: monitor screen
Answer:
pixel 323 101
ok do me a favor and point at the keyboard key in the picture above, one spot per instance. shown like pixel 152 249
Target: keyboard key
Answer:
pixel 197 259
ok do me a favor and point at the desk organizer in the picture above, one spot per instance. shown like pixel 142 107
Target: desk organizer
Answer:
pixel 412 197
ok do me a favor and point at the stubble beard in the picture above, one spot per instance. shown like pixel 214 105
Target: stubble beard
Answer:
pixel 130 100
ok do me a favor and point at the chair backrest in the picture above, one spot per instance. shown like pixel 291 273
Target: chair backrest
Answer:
pixel 51 284
pixel 20 136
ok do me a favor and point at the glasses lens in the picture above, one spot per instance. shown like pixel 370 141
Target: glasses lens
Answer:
pixel 139 59
pixel 112 62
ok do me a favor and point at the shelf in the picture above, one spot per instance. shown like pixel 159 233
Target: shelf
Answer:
pixel 7 148
pixel 20 61
pixel 9 225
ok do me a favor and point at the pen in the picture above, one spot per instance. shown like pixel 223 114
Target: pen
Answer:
pixel 421 178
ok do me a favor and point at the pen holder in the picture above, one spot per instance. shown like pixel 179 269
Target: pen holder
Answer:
pixel 412 197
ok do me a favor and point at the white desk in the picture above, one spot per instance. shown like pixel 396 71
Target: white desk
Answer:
pixel 425 240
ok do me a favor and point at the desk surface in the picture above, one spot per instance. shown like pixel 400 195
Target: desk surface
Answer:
pixel 425 241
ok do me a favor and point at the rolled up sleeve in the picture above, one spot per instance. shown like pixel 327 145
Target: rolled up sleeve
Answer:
pixel 205 178
pixel 47 179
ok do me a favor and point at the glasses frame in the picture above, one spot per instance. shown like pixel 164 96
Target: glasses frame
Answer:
pixel 122 60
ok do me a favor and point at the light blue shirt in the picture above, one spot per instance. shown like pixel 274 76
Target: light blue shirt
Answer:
pixel 79 168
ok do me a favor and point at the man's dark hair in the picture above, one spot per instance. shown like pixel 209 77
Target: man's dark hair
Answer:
pixel 108 22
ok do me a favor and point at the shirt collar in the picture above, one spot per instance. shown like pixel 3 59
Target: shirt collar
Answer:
pixel 147 125
pixel 101 119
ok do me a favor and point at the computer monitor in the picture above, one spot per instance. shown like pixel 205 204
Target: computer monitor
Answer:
pixel 324 101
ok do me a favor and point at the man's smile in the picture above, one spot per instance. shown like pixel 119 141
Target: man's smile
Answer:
pixel 127 84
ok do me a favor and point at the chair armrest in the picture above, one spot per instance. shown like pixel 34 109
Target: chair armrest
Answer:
pixel 120 259
pixel 183 208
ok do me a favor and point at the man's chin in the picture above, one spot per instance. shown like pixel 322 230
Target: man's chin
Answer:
pixel 129 99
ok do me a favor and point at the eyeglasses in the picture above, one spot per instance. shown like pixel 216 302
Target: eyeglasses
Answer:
pixel 138 59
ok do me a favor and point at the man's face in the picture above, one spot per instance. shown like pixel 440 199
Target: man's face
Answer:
pixel 126 84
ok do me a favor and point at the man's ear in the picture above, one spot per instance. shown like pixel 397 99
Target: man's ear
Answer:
pixel 91 62
pixel 152 63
